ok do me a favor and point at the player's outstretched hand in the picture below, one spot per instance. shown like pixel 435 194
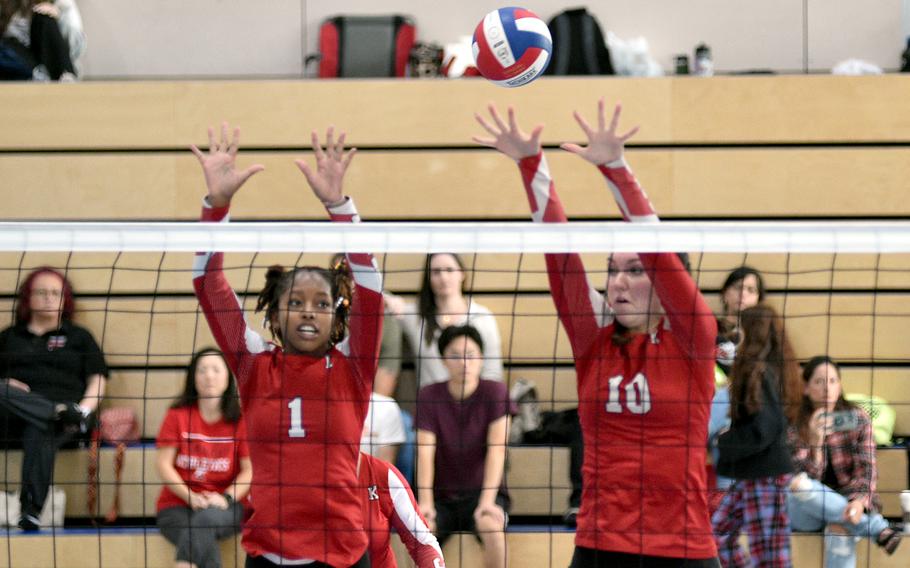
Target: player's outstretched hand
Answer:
pixel 604 144
pixel 218 164
pixel 331 165
pixel 508 138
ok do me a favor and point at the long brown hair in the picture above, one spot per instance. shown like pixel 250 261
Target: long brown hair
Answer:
pixel 807 407
pixel 426 300
pixel 765 349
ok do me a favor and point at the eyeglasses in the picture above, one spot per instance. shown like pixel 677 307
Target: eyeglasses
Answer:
pixel 467 355
pixel 43 293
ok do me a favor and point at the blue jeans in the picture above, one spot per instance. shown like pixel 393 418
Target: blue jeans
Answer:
pixel 720 419
pixel 811 510
pixel 407 452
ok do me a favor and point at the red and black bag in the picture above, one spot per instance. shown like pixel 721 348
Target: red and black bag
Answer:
pixel 365 46
pixel 117 426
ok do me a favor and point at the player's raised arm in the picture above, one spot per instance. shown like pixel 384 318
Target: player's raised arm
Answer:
pixel 326 180
pixel 216 298
pixel 690 317
pixel 578 303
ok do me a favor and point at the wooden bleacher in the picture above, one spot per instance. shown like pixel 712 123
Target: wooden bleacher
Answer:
pixel 815 147
pixel 528 547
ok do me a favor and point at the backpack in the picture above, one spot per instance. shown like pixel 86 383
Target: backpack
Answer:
pixel 365 46
pixel 578 45
pixel 880 412
pixel 524 394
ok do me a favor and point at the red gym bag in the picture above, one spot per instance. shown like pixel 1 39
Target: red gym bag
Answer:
pixel 365 46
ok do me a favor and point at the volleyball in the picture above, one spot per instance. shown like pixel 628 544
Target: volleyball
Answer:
pixel 511 46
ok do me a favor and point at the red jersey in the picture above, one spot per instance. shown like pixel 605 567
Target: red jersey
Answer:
pixel 304 416
pixel 208 455
pixel 388 500
pixel 643 406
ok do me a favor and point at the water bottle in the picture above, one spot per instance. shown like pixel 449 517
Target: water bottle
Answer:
pixel 704 65
pixel 682 64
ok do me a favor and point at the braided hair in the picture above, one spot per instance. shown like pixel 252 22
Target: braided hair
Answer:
pixel 279 280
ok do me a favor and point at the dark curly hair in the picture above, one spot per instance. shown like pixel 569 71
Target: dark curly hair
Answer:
pixel 278 281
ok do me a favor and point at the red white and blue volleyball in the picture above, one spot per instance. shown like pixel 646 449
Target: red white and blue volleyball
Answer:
pixel 512 46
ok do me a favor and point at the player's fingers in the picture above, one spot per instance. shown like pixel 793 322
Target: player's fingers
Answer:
pixel 254 169
pixel 235 142
pixel 330 141
pixel 585 127
pixel 317 149
pixel 223 145
pixel 513 123
pixel 535 135
pixel 346 160
pixel 629 134
pixel 485 125
pixel 339 146
pixel 614 122
pixel 489 142
pixel 497 119
pixel 198 153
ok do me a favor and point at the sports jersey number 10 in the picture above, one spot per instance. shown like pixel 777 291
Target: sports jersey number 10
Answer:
pixel 296 430
pixel 637 399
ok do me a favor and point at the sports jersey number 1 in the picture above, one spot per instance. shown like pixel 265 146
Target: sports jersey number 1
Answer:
pixel 638 396
pixel 296 430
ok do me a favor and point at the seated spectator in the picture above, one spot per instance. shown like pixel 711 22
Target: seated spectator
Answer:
pixel 743 288
pixel 834 489
pixel 204 462
pixel 44 36
pixel 764 395
pixel 442 303
pixel 52 378
pixel 389 503
pixel 462 430
pixel 383 429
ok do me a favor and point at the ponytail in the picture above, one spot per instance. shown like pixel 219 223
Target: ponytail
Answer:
pixel 343 291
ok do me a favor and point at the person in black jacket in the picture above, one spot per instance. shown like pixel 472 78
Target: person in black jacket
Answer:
pixel 52 378
pixel 765 393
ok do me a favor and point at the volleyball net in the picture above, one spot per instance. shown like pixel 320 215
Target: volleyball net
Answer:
pixel 843 289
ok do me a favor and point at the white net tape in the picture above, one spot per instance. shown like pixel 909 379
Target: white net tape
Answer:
pixel 746 237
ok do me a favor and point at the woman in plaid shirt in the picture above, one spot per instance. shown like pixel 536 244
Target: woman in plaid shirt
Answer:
pixel 836 465
pixel 765 391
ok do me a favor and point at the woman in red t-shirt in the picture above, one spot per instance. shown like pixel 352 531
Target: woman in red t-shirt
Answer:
pixel 204 462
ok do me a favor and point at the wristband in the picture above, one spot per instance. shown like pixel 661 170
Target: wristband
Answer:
pixel 228 498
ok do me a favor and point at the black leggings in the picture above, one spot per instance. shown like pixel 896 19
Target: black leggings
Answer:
pixel 590 558
pixel 49 47
pixel 260 562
